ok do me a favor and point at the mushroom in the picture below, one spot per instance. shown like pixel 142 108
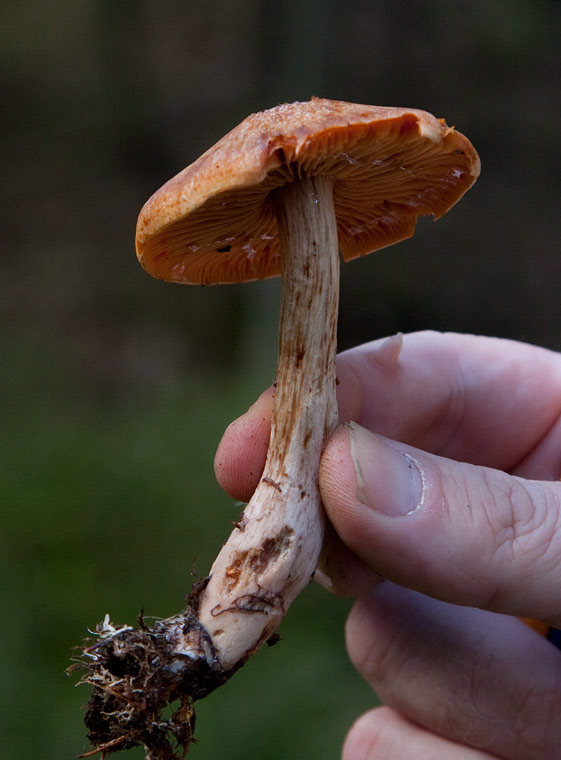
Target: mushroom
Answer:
pixel 286 192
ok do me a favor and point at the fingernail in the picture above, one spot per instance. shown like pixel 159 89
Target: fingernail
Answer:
pixel 389 481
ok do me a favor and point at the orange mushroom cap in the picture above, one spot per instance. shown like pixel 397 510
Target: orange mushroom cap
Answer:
pixel 215 221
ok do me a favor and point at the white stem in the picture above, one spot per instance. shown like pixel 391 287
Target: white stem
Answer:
pixel 273 552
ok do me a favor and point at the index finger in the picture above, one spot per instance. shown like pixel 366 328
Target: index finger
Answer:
pixel 480 400
pixel 475 399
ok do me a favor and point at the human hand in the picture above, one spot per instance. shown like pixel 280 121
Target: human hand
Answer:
pixel 461 520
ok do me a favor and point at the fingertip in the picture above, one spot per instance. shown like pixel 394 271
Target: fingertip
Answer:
pixel 368 737
pixel 372 624
pixel 337 476
pixel 349 574
pixel 240 456
pixel 364 477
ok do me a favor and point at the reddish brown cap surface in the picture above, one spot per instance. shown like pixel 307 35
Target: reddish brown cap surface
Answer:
pixel 215 221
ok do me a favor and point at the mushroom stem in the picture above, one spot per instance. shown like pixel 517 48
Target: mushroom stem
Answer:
pixel 273 552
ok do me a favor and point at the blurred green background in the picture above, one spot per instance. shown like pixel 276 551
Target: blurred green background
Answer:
pixel 115 388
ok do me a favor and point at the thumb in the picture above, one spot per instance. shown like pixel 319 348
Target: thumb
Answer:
pixel 458 532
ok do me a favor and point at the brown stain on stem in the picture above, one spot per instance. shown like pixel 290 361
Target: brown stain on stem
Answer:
pixel 256 560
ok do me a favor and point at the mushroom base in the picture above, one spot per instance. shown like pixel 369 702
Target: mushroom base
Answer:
pixel 137 672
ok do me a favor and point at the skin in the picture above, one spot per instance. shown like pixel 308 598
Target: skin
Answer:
pixel 445 527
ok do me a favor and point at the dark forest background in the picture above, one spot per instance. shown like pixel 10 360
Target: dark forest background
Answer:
pixel 115 388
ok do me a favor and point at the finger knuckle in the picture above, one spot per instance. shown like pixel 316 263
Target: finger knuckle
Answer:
pixel 526 520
